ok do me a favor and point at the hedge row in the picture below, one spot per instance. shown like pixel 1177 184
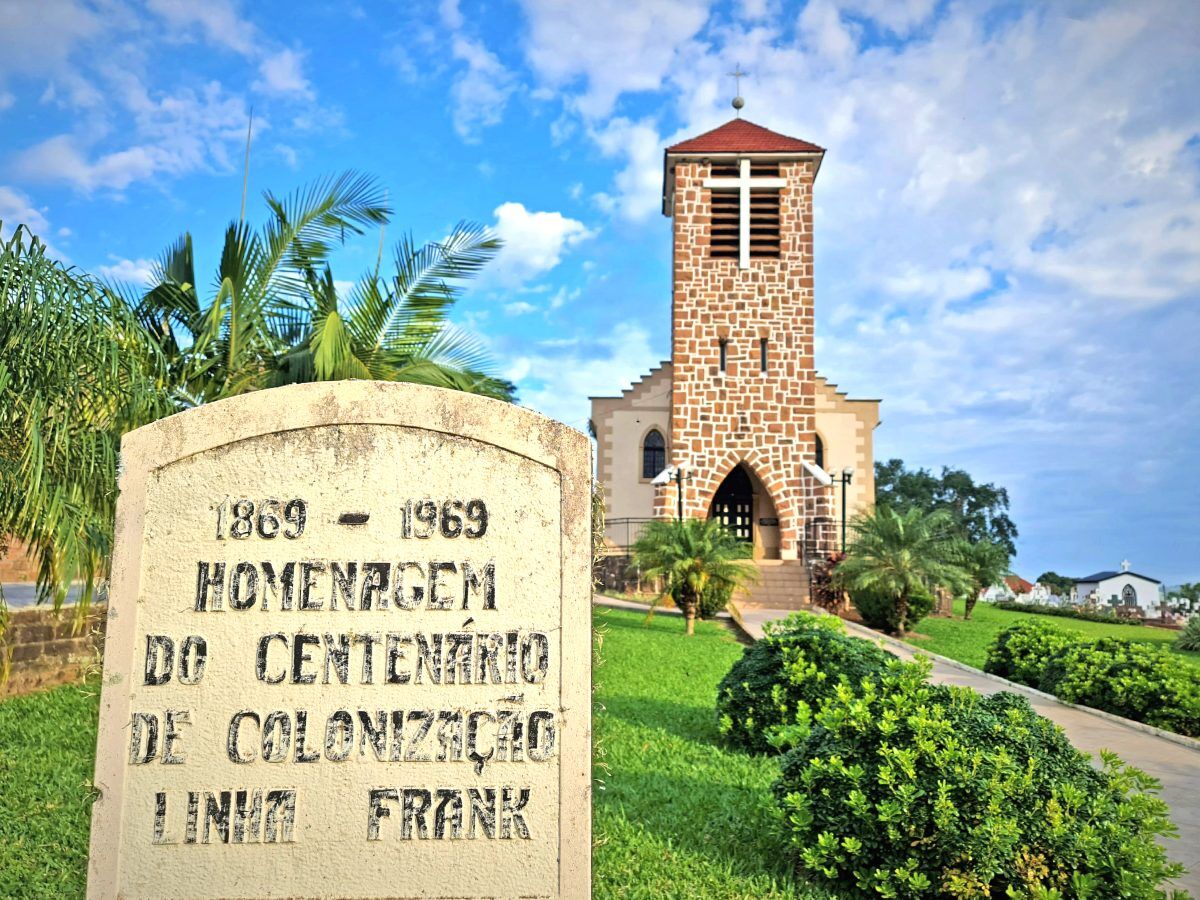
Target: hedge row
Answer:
pixel 1136 680
pixel 1065 612
pixel 893 787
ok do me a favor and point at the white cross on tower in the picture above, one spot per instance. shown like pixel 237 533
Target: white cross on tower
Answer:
pixel 743 184
pixel 1124 565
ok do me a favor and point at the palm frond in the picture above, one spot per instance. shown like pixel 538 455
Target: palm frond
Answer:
pixel 76 370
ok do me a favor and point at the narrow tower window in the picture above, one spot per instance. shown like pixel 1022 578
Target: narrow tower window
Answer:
pixel 818 451
pixel 654 454
pixel 724 353
pixel 762 354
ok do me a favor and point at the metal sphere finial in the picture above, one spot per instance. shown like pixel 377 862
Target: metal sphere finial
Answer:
pixel 737 75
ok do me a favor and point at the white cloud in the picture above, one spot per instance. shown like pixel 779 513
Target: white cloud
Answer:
pixel 557 382
pixel 136 272
pixel 943 285
pixel 519 308
pixel 176 134
pixel 17 209
pixel 639 183
pixel 287 153
pixel 480 93
pixel 282 74
pixel 6 100
pixel 534 242
pixel 220 21
pixel 825 32
pixel 898 16
pixel 37 39
pixel 563 296
pixel 611 45
pixel 450 14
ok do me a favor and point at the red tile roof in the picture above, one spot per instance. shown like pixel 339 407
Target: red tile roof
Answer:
pixel 742 136
pixel 1018 585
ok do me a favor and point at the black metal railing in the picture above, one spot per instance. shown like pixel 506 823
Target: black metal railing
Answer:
pixel 623 533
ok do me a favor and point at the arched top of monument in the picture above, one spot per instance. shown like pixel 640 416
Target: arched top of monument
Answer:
pixel 505 425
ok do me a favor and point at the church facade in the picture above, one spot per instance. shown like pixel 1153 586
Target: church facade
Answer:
pixel 739 409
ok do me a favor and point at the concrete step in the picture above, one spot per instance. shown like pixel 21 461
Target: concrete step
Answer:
pixel 783 584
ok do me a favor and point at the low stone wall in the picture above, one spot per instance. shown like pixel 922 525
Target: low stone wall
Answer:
pixel 46 649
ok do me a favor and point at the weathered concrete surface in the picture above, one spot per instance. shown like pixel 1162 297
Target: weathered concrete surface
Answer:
pixel 1176 766
pixel 419 487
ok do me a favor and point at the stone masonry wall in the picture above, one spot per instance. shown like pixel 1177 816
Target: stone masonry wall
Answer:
pixel 744 415
pixel 46 648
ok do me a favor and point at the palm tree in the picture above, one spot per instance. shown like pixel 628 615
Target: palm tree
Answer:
pixel 393 329
pixel 76 371
pixel 985 563
pixel 691 556
pixel 901 555
pixel 275 317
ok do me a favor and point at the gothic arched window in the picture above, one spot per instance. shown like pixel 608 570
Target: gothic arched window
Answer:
pixel 654 453
pixel 818 451
pixel 1128 595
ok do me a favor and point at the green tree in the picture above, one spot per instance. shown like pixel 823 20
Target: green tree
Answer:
pixel 275 316
pixel 691 557
pixel 1058 584
pixel 76 371
pixel 903 555
pixel 979 510
pixel 985 564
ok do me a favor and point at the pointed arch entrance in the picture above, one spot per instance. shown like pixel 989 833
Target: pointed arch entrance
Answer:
pixel 744 506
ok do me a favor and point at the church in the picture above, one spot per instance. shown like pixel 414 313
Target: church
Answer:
pixel 738 424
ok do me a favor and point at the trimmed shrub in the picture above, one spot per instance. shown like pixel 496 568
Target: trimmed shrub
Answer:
pixel 1020 652
pixel 908 789
pixel 714 599
pixel 1189 638
pixel 767 701
pixel 1066 612
pixel 1130 679
pixel 878 610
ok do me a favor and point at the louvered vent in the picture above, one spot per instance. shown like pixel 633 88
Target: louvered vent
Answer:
pixel 764 213
pixel 726 214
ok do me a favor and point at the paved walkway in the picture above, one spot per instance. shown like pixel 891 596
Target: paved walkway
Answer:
pixel 1175 765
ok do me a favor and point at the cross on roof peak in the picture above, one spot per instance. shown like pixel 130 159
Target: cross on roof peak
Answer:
pixel 737 75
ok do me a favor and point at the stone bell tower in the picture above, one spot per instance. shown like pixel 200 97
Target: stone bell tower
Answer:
pixel 743 397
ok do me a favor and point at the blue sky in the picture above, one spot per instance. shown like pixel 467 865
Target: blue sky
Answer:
pixel 1008 217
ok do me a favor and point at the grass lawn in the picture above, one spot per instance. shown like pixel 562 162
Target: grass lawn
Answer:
pixel 47 744
pixel 676 815
pixel 968 641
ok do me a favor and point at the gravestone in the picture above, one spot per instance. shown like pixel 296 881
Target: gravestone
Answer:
pixel 348 652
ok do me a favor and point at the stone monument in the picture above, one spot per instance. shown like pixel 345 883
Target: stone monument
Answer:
pixel 348 652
